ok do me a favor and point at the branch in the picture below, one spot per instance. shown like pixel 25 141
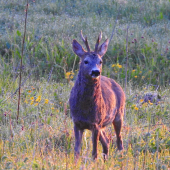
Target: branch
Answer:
pixel 20 74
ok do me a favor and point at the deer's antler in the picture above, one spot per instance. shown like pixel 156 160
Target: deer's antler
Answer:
pixel 85 41
pixel 98 41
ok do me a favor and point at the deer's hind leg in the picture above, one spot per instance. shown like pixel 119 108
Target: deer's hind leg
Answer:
pixel 117 123
pixel 105 143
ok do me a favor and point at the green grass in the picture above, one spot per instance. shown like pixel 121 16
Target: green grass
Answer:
pixel 44 137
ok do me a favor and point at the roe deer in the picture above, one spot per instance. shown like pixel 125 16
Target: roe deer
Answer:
pixel 95 100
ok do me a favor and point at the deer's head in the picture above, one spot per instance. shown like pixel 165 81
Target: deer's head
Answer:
pixel 91 61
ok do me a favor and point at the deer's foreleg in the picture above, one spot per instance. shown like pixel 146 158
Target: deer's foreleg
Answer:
pixel 95 139
pixel 78 138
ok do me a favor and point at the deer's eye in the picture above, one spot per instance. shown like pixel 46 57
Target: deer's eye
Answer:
pixel 101 61
pixel 86 62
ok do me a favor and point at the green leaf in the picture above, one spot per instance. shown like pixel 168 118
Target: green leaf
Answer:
pixel 18 53
pixel 161 15
pixel 48 120
pixel 18 33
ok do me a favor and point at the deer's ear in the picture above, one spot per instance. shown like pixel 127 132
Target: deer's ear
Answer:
pixel 78 49
pixel 103 48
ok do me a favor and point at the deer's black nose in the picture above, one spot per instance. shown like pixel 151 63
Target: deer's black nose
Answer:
pixel 95 73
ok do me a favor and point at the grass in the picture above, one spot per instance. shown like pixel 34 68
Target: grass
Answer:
pixel 44 138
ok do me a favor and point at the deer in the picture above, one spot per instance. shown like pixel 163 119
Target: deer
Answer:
pixel 95 100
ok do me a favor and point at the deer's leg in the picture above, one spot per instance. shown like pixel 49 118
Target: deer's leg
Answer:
pixel 95 139
pixel 117 126
pixel 105 143
pixel 78 138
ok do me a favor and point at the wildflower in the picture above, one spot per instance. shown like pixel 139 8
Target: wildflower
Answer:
pixel 36 104
pixel 113 65
pixel 143 77
pixel 145 104
pixel 135 40
pixel 136 108
pixel 142 37
pixel 150 102
pixel 135 76
pixel 150 71
pixel 57 110
pixel 46 101
pixel 38 99
pixel 31 98
pixel 141 100
pixel 26 101
pixel 52 108
pixel 29 91
pixel 32 102
pixel 119 66
pixel 133 70
pixel 132 41
pixel 32 88
pixel 140 72
pixel 67 75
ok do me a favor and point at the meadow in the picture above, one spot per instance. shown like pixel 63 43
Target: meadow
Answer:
pixel 138 58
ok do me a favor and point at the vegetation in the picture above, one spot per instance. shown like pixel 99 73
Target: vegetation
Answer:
pixel 43 138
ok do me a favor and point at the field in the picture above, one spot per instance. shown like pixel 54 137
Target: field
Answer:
pixel 138 58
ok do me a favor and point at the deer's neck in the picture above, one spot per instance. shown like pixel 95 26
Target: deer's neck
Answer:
pixel 90 89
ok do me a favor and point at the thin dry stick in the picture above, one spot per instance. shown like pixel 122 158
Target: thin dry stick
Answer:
pixel 126 66
pixel 114 26
pixel 20 75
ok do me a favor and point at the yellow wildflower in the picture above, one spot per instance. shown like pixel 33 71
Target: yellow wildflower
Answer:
pixel 46 101
pixel 145 104
pixel 26 101
pixel 141 100
pixel 133 70
pixel 38 99
pixel 57 110
pixel 32 98
pixel 150 102
pixel 135 76
pixel 113 65
pixel 52 108
pixel 118 65
pixel 140 72
pixel 32 102
pixel 36 104
pixel 69 75
pixel 136 108
pixel 29 91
